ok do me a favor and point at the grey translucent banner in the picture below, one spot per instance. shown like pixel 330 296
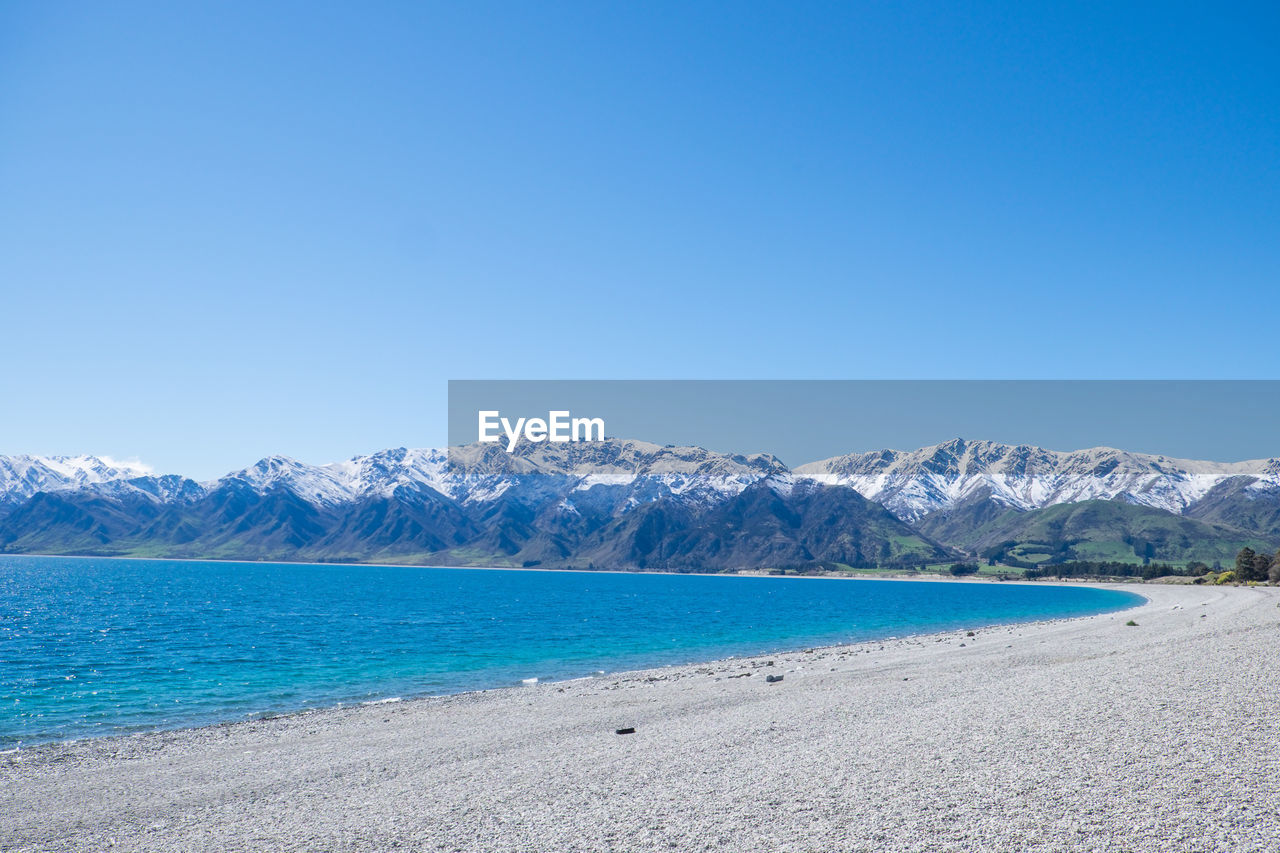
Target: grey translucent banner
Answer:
pixel 802 421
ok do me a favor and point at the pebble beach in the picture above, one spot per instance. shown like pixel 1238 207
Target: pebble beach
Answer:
pixel 1081 734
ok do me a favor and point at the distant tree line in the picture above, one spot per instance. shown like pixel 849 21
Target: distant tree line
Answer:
pixel 1252 566
pixel 1107 569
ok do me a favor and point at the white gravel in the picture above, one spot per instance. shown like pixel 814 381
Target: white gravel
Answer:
pixel 1072 735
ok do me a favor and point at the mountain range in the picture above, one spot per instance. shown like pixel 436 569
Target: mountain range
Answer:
pixel 628 504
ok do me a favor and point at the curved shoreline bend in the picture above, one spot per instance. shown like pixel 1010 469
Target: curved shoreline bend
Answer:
pixel 1073 734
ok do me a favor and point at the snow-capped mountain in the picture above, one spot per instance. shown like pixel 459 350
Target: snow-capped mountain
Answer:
pixel 23 476
pixel 915 483
pixel 166 489
pixel 694 473
pixel 469 474
pixel 909 483
pixel 616 503
pixel 378 474
pixel 477 473
pixel 634 504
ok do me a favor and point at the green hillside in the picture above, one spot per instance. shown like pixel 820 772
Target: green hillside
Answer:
pixel 1096 530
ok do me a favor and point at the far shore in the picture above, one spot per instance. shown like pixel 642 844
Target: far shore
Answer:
pixel 856 574
pixel 1075 734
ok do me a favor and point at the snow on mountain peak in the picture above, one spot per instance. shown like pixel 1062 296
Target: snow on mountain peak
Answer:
pixel 24 475
pixel 915 483
pixel 475 473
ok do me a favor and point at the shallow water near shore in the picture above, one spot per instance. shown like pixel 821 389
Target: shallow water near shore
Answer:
pixel 93 647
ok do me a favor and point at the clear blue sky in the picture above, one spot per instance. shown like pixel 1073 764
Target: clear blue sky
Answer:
pixel 235 229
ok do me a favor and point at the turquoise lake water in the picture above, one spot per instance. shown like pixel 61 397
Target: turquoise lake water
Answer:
pixel 92 647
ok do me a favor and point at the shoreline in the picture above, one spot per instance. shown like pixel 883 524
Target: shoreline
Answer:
pixel 1066 734
pixel 257 716
pixel 888 574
